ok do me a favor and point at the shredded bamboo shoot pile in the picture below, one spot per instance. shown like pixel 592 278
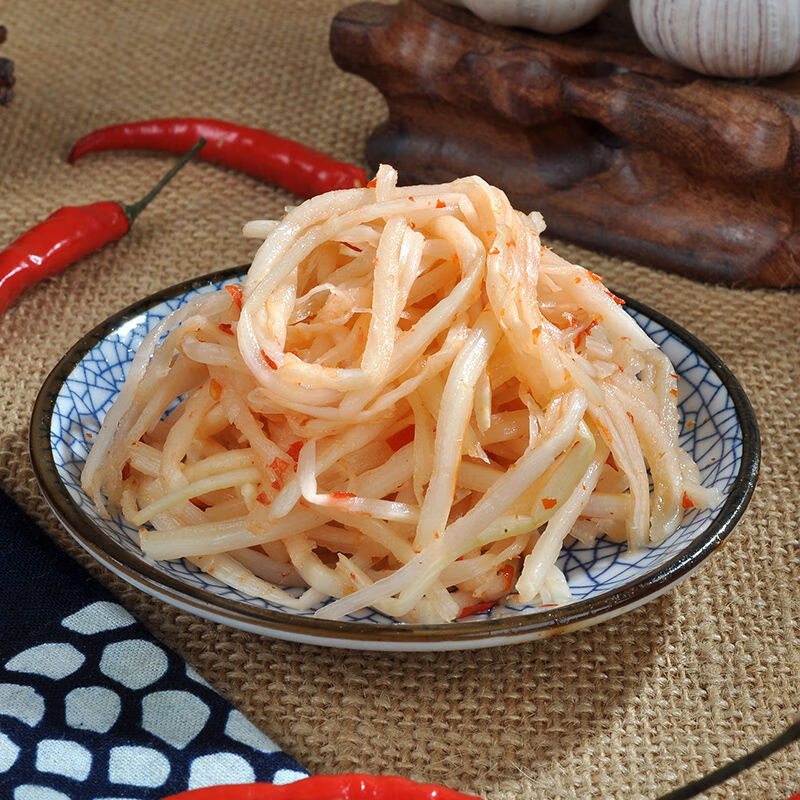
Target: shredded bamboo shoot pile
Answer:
pixel 408 405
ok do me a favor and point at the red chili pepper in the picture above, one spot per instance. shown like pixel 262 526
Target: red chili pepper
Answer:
pixel 68 235
pixel 329 787
pixel 283 162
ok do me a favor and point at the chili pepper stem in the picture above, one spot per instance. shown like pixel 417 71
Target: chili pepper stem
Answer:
pixel 134 209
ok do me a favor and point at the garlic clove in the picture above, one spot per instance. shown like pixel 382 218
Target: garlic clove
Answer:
pixel 726 38
pixel 545 16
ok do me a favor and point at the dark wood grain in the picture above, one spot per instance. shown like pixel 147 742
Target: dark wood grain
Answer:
pixel 620 151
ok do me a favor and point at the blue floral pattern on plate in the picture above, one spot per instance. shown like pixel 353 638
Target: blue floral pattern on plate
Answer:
pixel 718 430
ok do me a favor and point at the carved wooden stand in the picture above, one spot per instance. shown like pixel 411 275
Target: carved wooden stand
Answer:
pixel 620 151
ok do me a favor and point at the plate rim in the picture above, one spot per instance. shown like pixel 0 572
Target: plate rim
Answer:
pixel 370 635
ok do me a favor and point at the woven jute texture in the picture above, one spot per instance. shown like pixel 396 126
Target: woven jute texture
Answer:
pixel 626 709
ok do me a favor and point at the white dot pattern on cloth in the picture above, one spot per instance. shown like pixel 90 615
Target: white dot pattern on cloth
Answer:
pixel 192 673
pixel 9 752
pixel 33 792
pixel 284 776
pixel 55 660
pixel 239 728
pixel 156 727
pixel 63 757
pixel 92 708
pixel 219 768
pixel 21 702
pixel 98 617
pixel 134 663
pixel 137 766
pixel 177 717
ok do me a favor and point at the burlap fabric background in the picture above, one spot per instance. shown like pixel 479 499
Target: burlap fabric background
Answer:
pixel 628 709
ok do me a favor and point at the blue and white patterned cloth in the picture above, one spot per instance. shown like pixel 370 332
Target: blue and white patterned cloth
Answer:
pixel 92 707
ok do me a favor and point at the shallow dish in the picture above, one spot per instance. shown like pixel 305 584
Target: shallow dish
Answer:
pixel 719 430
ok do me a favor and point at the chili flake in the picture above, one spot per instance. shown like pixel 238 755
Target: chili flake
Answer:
pixel 279 466
pixel 293 451
pixel 236 293
pixel 401 438
pixel 478 608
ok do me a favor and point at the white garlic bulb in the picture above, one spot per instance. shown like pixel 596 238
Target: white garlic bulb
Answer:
pixel 727 38
pixel 546 16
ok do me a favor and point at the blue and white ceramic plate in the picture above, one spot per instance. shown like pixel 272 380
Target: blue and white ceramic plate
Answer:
pixel 719 430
